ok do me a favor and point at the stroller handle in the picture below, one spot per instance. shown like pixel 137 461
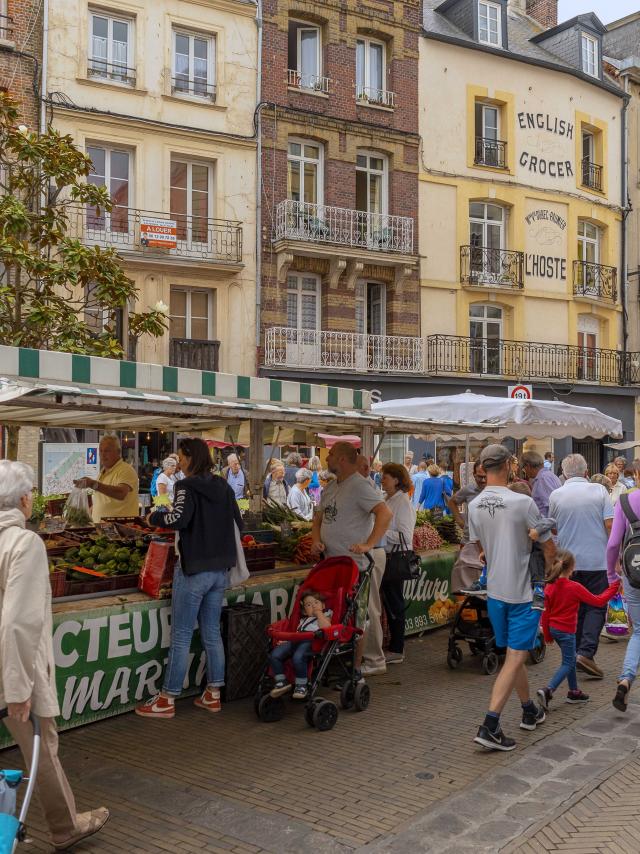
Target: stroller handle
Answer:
pixel 35 720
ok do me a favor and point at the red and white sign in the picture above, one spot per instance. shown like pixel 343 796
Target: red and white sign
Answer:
pixel 520 392
pixel 158 232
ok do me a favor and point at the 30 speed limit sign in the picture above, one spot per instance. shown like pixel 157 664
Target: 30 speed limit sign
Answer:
pixel 520 392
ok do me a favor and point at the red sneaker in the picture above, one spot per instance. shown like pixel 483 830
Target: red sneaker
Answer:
pixel 209 701
pixel 157 707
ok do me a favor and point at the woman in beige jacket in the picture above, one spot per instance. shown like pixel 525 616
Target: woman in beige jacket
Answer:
pixel 27 668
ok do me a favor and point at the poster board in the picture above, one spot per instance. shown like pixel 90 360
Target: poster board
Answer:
pixel 63 462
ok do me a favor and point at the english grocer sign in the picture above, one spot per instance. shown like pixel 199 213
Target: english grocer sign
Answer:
pixel 550 124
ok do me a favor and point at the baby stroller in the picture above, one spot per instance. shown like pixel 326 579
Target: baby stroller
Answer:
pixel 472 624
pixel 333 648
pixel 12 829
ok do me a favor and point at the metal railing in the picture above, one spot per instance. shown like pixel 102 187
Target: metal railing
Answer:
pixel 527 360
pixel 113 71
pixel 197 88
pixel 372 95
pixel 195 237
pixel 343 226
pixel 351 351
pixel 591 175
pixel 194 353
pixel 310 82
pixel 499 268
pixel 595 280
pixel 6 27
pixel 490 152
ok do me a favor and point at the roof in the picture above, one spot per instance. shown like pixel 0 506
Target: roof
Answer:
pixel 590 19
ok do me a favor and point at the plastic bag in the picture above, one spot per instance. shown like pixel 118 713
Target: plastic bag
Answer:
pixel 617 619
pixel 76 511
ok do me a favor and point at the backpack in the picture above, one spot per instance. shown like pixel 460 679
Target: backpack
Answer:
pixel 153 487
pixel 631 543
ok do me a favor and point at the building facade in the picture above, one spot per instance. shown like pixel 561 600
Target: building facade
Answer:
pixel 339 284
pixel 162 97
pixel 20 55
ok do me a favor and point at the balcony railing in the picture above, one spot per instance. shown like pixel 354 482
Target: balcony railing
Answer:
pixel 113 71
pixel 379 97
pixel 344 227
pixel 342 351
pixel 527 360
pixel 490 152
pixel 197 88
pixel 591 175
pixel 309 82
pixel 498 268
pixel 149 233
pixel 193 353
pixel 595 280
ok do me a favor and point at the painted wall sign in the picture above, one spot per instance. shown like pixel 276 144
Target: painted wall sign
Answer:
pixel 555 168
pixel 546 238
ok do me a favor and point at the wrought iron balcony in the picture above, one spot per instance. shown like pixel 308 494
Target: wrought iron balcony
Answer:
pixel 527 360
pixel 595 280
pixel 152 233
pixel 308 82
pixel 490 152
pixel 193 353
pixel 182 85
pixel 591 175
pixel 497 268
pixel 114 72
pixel 342 351
pixel 343 227
pixel 372 95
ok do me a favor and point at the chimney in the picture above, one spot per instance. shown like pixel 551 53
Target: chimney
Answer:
pixel 545 12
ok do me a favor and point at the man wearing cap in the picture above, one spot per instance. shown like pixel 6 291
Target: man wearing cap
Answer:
pixel 499 522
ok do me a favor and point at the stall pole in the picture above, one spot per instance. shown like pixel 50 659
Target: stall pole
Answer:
pixel 367 442
pixel 256 444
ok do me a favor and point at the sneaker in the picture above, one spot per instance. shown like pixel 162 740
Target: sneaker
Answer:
pixel 87 823
pixel 394 657
pixel 281 687
pixel 588 665
pixel 544 695
pixel 577 697
pixel 157 707
pixel 300 692
pixel 530 720
pixel 537 603
pixel 209 701
pixel 373 669
pixel 494 740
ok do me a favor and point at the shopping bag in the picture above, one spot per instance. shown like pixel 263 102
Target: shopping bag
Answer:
pixel 617 619
pixel 156 577
pixel 240 572
pixel 76 511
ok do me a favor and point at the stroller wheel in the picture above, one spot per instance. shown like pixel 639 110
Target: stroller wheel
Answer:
pixel 310 708
pixel 325 715
pixel 270 709
pixel 454 657
pixel 537 654
pixel 490 663
pixel 347 694
pixel 362 697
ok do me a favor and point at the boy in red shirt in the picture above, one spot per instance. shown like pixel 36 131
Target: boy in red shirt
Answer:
pixel 562 598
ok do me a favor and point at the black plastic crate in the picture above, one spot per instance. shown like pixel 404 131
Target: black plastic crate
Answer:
pixel 245 645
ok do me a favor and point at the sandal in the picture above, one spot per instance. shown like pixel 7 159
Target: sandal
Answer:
pixel 620 699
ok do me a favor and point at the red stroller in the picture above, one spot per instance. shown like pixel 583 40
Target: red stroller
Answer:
pixel 341 584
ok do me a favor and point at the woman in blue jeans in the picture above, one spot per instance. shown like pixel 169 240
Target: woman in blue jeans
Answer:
pixel 204 512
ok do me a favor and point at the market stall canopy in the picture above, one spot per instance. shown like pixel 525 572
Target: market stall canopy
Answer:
pixel 504 417
pixel 329 441
pixel 622 446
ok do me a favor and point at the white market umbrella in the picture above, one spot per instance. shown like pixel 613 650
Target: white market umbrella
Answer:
pixel 503 416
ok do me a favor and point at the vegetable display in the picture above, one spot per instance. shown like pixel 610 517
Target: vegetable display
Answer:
pixel 105 556
pixel 426 538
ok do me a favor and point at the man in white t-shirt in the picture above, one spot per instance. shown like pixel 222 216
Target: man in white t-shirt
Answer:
pixel 499 521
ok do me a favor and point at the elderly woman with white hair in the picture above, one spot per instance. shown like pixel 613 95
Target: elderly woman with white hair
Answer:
pixel 299 499
pixel 167 478
pixel 27 668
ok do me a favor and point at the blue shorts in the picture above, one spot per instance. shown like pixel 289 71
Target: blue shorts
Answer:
pixel 515 626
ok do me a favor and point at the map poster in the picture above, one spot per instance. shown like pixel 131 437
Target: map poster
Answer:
pixel 64 462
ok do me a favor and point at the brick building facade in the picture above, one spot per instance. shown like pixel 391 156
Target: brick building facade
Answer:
pixel 20 55
pixel 340 184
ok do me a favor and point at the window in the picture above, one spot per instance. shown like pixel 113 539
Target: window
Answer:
pixel 111 169
pixel 305 57
pixel 191 199
pixel 487 242
pixel 371 183
pixel 370 72
pixel 591 171
pixel 110 49
pixel 589 55
pixel 303 302
pixel 370 308
pixel 191 314
pixel 489 149
pixel 304 171
pixel 193 65
pixel 490 23
pixel 485 333
pixel 588 242
pixel 588 329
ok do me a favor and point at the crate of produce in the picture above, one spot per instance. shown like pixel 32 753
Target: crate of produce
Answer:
pixel 59 583
pixel 55 506
pixel 245 642
pixel 138 528
pixel 259 556
pixel 261 536
pixel 125 582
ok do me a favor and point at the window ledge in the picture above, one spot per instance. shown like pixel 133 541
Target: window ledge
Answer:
pixel 501 170
pixel 370 106
pixel 193 99
pixel 593 190
pixel 311 92
pixel 115 87
pixel 8 43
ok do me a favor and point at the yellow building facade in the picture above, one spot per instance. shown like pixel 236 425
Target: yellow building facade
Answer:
pixel 162 97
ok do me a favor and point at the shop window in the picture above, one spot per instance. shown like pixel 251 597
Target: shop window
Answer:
pixel 193 65
pixel 191 199
pixel 485 339
pixel 110 54
pixel 305 57
pixel 111 168
pixel 590 55
pixel 490 23
pixel 490 149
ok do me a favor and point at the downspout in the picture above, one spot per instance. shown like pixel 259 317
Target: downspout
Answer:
pixel 45 66
pixel 259 176
pixel 623 242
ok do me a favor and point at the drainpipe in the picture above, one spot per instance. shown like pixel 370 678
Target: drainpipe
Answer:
pixel 623 241
pixel 45 64
pixel 259 176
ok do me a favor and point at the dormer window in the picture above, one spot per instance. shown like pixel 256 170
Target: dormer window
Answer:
pixel 490 23
pixel 590 55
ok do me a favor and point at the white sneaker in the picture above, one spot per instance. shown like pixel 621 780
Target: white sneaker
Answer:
pixel 394 657
pixel 373 670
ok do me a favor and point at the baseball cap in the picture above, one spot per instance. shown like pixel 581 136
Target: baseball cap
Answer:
pixel 494 456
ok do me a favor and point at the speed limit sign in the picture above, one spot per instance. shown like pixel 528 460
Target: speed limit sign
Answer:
pixel 520 392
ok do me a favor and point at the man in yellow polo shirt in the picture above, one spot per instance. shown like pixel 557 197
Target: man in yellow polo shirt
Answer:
pixel 115 492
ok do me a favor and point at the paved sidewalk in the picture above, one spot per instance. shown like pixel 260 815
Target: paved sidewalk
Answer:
pixel 402 776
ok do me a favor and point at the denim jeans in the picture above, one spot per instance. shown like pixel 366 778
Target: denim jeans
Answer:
pixel 195 597
pixel 590 619
pixel 299 653
pixel 632 657
pixel 567 669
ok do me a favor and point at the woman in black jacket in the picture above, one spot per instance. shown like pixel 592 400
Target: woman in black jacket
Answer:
pixel 204 511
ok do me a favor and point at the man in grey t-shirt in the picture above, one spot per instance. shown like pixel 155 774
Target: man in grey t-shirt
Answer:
pixel 468 566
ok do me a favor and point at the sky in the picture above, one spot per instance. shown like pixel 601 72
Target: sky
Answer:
pixel 606 10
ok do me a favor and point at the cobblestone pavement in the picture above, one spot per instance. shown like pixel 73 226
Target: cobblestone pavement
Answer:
pixel 404 776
